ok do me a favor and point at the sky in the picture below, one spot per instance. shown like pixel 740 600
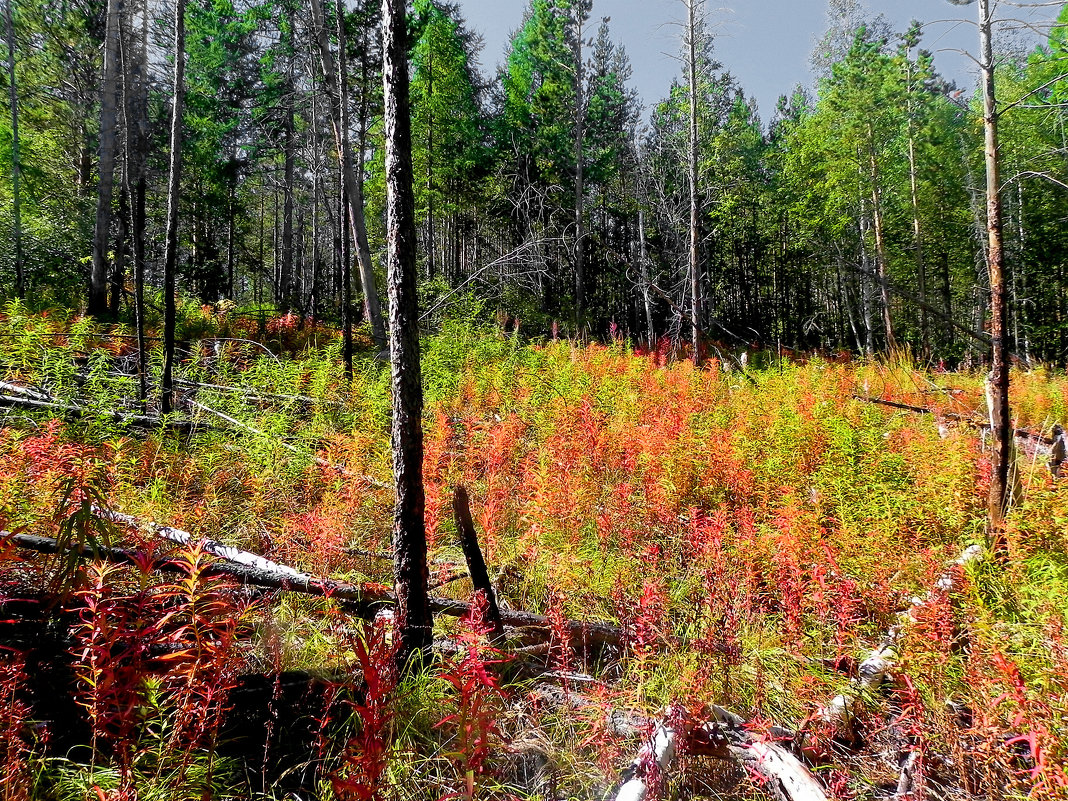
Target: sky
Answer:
pixel 766 44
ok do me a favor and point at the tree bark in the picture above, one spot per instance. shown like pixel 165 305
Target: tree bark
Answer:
pixel 285 274
pixel 880 242
pixel 476 564
pixel 999 376
pixel 353 190
pixel 695 277
pixel 98 279
pixel 135 106
pixel 580 133
pixel 170 262
pixel 16 164
pixel 410 575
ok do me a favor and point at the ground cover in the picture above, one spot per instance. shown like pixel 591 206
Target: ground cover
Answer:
pixel 752 538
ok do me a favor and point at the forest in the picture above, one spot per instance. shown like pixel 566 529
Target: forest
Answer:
pixel 377 426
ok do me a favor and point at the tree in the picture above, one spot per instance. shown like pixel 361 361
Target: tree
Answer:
pixel 410 575
pixel 448 131
pixel 534 136
pixel 16 167
pixel 352 187
pixel 578 14
pixel 135 154
pixel 694 32
pixel 98 282
pixel 1001 423
pixel 174 174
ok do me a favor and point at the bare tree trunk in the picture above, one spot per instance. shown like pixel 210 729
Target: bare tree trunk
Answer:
pixel 16 164
pixel 431 233
pixel 695 277
pixel 880 244
pixel 170 261
pixel 999 376
pixel 410 575
pixel 98 279
pixel 579 10
pixel 346 283
pixel 353 190
pixel 643 260
pixel 285 276
pixel 917 244
pixel 135 105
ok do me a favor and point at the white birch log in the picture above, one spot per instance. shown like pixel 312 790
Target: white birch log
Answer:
pixel 874 669
pixel 653 761
pixel 214 547
pixel 784 774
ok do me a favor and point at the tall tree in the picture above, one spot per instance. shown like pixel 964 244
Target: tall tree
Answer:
pixel 410 575
pixel 353 188
pixel 1000 421
pixel 16 166
pixel 174 174
pixel 448 132
pixel 98 280
pixel 693 33
pixel 578 15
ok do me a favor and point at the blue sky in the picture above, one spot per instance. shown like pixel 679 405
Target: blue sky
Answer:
pixel 765 43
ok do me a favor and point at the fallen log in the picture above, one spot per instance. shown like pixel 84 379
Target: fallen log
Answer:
pixel 724 737
pixel 260 571
pixel 340 469
pixel 842 709
pixel 974 422
pixel 656 756
pixel 71 411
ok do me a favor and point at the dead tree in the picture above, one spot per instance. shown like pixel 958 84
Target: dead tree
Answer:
pixel 410 574
pixel 693 21
pixel 16 166
pixel 170 263
pixel 98 279
pixel 998 388
pixel 353 190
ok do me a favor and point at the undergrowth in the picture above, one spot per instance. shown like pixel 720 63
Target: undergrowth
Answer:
pixel 752 538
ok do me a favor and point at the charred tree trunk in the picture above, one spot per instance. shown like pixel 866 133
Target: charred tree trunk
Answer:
pixel 410 573
pixel 285 275
pixel 170 261
pixel 135 126
pixel 999 377
pixel 695 276
pixel 16 165
pixel 98 278
pixel 580 134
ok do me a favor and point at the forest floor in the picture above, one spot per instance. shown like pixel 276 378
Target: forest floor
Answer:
pixel 744 543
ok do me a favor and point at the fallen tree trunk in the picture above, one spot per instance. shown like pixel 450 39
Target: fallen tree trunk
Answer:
pixel 842 709
pixel 71 411
pixel 259 571
pixel 723 738
pixel 974 422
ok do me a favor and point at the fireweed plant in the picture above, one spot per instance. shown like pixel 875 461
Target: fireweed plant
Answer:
pixel 752 541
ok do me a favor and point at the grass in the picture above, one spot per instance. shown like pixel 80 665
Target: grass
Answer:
pixel 748 537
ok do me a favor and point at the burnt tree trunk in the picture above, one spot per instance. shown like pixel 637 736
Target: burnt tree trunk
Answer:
pixel 283 292
pixel 16 166
pixel 98 278
pixel 170 261
pixel 476 564
pixel 692 158
pixel 410 575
